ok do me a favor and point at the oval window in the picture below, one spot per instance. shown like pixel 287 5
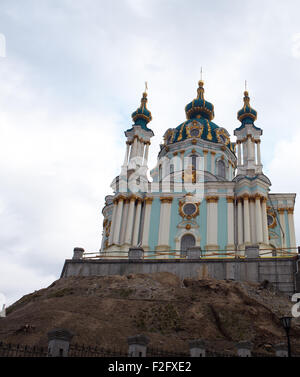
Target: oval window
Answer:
pixel 189 209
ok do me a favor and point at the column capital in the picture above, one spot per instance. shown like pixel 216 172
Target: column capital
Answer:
pixel 290 210
pixel 245 196
pixel 212 199
pixel 148 200
pixel 212 152
pixel 230 199
pixel 281 210
pixel 205 151
pixel 166 199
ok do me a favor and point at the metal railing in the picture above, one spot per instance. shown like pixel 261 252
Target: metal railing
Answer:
pixel 288 252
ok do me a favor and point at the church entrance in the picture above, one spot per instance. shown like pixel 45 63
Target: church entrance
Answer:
pixel 187 241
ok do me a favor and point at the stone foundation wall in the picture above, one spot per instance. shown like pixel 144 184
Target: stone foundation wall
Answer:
pixel 281 272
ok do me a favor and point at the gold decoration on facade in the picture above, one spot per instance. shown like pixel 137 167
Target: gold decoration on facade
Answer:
pixel 194 126
pixel 182 203
pixel 188 226
pixel 230 199
pixel 290 210
pixel 212 199
pixel 166 199
pixel 281 210
pixel 271 213
pixel 148 200
pixel 180 132
pixel 209 135
pixel 221 132
pixel 169 137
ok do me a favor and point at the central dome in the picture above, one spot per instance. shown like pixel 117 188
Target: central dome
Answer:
pixel 199 124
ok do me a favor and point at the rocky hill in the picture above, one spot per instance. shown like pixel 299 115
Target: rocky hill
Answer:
pixel 105 310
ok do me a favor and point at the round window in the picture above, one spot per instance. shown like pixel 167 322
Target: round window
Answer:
pixel 194 132
pixel 189 209
pixel 270 220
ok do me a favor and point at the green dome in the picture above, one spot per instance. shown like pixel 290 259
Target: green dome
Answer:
pixel 142 115
pixel 199 107
pixel 247 114
pixel 199 129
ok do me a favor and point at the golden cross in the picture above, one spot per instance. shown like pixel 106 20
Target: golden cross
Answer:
pixel 245 85
pixel 201 74
pixel 146 86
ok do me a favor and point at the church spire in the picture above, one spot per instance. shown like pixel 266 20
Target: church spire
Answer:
pixel 142 116
pixel 247 114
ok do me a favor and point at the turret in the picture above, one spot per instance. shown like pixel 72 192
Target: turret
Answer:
pixel 248 141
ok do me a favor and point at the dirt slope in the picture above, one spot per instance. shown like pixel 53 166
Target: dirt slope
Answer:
pixel 106 310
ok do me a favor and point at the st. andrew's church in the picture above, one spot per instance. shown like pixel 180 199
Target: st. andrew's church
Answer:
pixel 206 190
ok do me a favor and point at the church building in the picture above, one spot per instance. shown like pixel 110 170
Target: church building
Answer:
pixel 206 190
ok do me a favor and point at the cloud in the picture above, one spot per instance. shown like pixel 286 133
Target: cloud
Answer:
pixel 296 45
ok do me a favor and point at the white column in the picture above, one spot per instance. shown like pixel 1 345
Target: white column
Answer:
pixel 265 221
pixel 247 239
pixel 137 222
pixel 145 163
pixel 213 167
pixel 239 153
pixel 124 221
pixel 205 159
pixel 112 225
pixel 259 228
pixel 249 149
pixel 141 149
pixel 146 227
pixel 125 163
pixel 212 222
pixel 252 220
pixel 292 229
pixel 230 223
pixel 282 223
pixel 128 233
pixel 258 153
pixel 245 154
pixel 133 148
pixel 118 221
pixel 240 221
pixel 164 223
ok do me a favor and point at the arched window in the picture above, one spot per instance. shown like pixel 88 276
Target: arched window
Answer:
pixel 188 240
pixel 194 161
pixel 221 168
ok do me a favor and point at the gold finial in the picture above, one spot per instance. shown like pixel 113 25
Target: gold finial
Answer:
pixel 200 90
pixel 146 87
pixel 201 74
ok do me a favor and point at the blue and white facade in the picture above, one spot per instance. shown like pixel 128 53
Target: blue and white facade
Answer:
pixel 205 191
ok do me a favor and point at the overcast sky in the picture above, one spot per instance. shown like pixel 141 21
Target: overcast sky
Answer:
pixel 74 72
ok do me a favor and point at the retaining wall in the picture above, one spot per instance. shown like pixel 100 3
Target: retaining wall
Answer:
pixel 282 272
